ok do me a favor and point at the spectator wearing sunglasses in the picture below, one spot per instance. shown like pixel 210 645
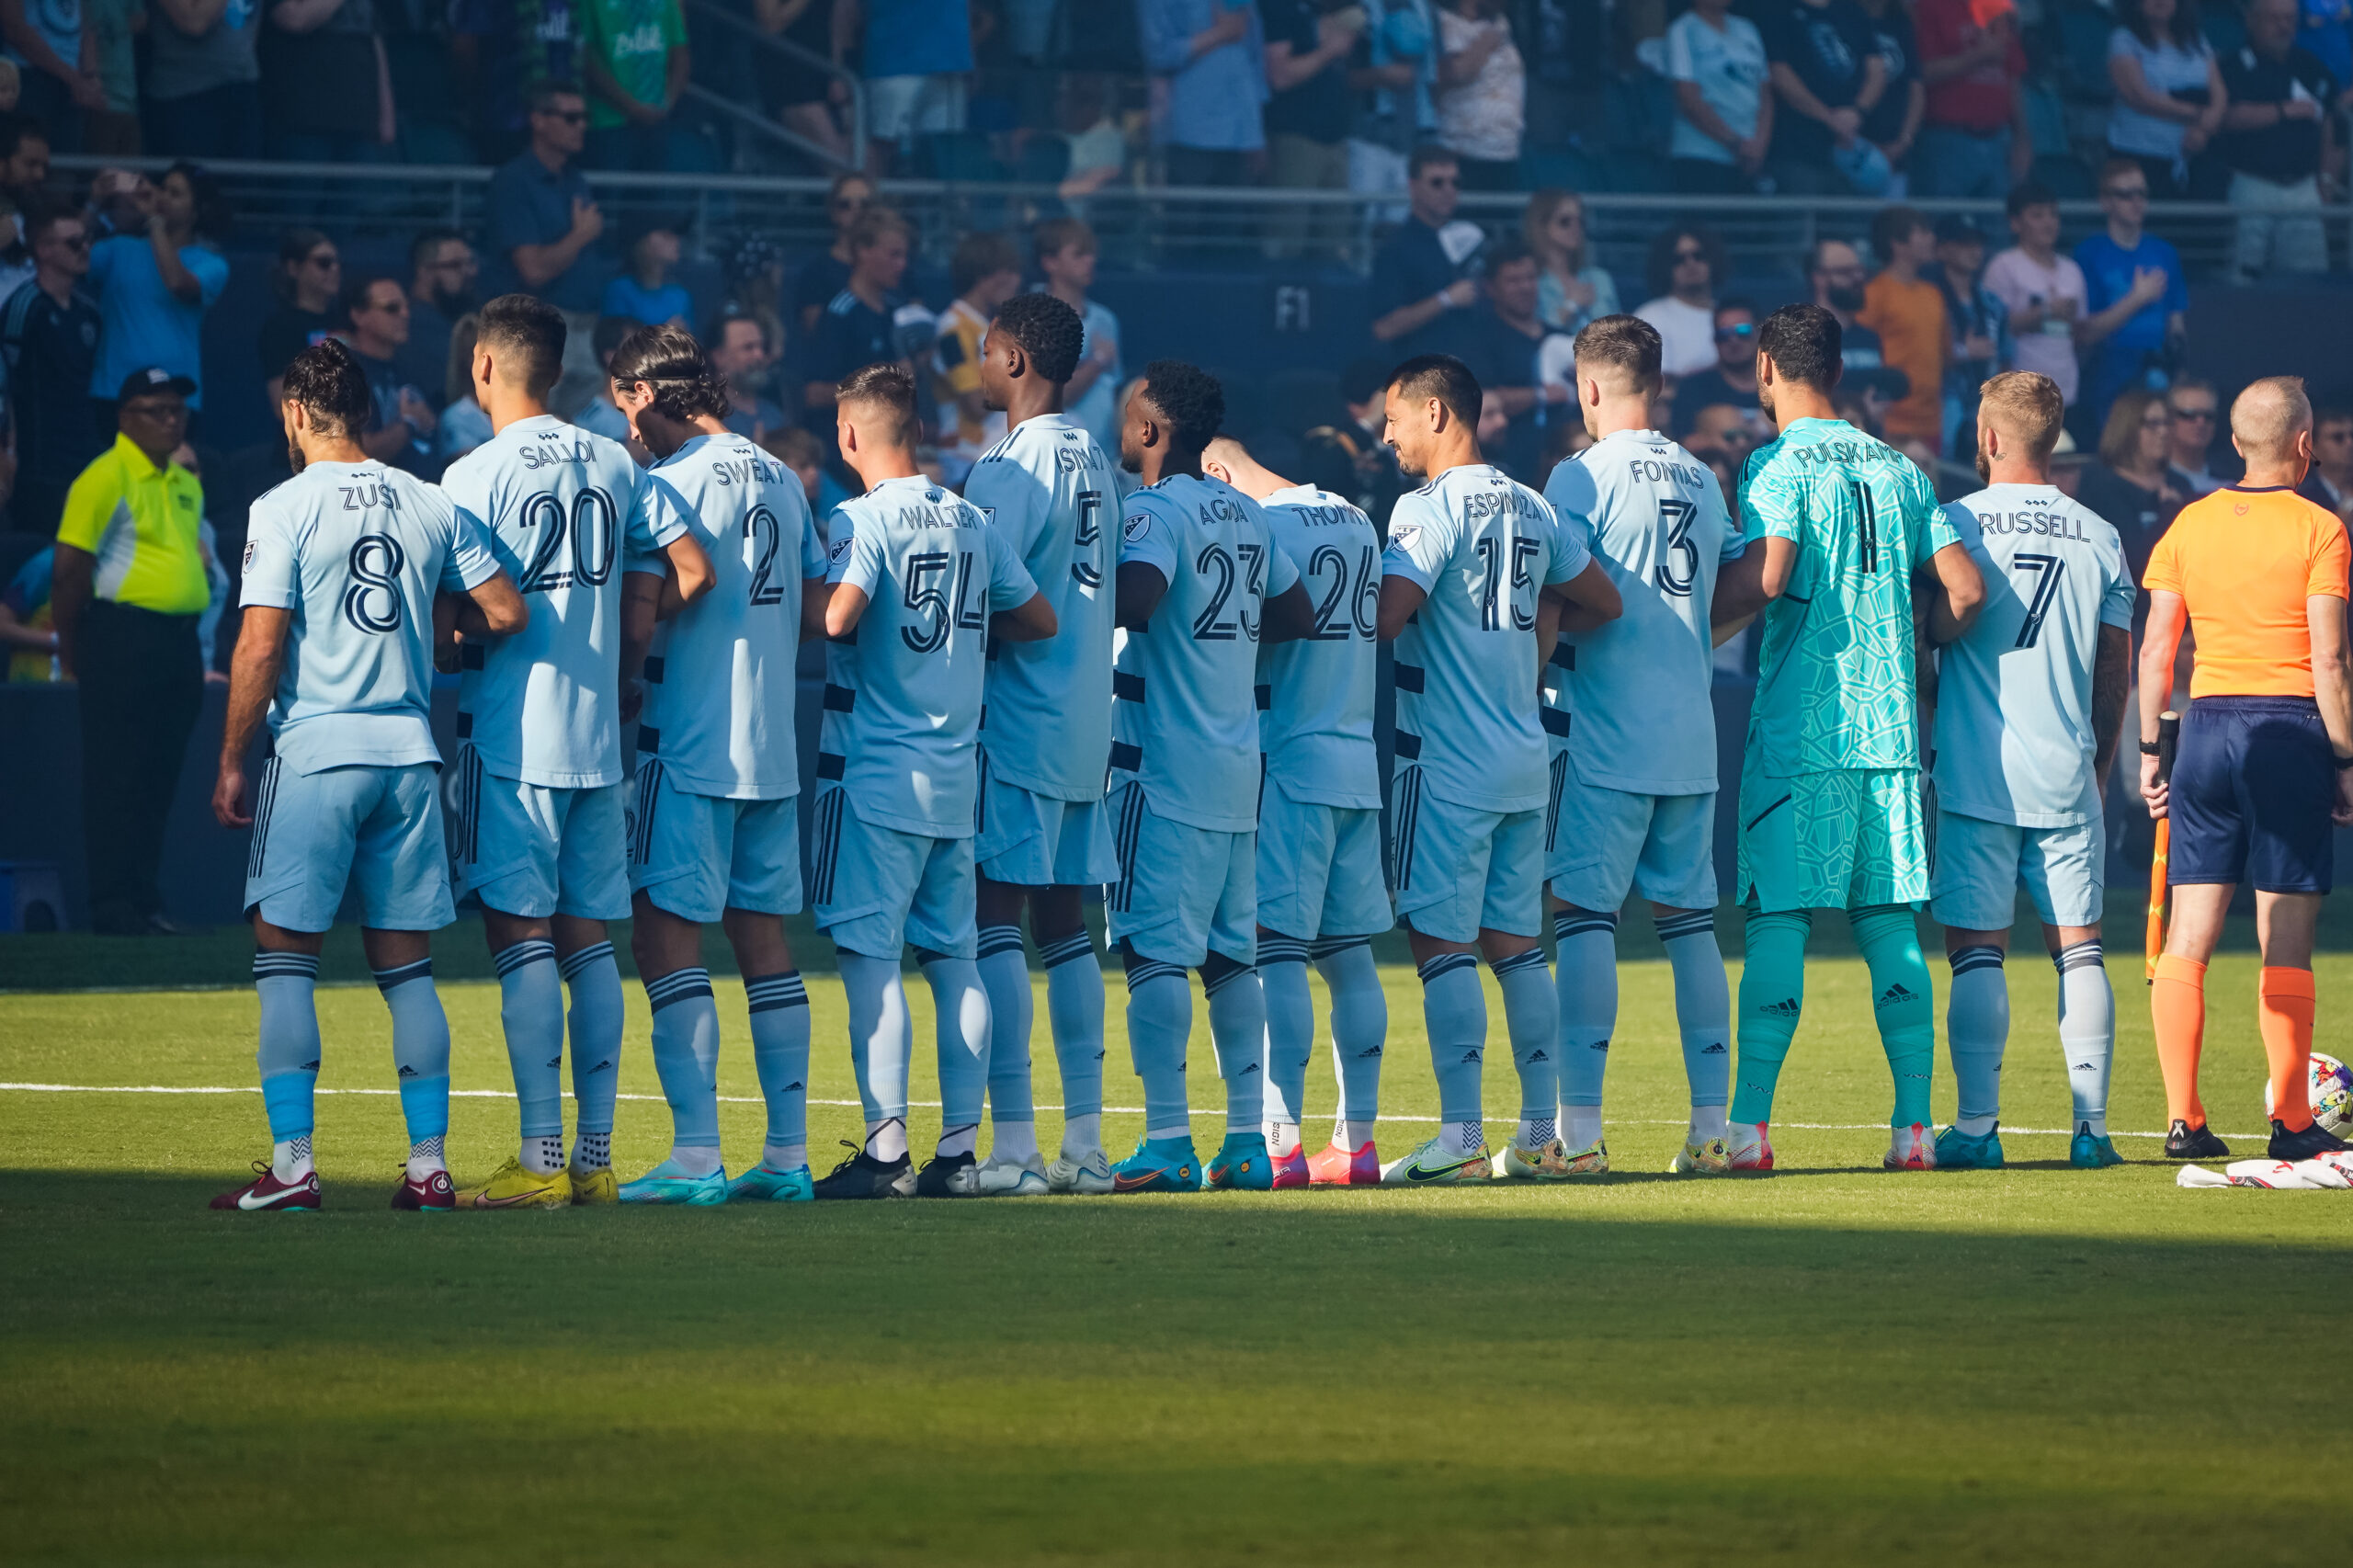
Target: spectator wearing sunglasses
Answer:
pixel 1686 263
pixel 1731 379
pixel 1424 272
pixel 376 312
pixel 2189 443
pixel 542 226
pixel 827 274
pixel 49 337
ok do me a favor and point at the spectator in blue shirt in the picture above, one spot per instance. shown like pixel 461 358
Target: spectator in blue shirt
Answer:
pixel 541 224
pixel 2135 297
pixel 917 55
pixel 1425 269
pixel 645 293
pixel 154 286
pixel 1212 53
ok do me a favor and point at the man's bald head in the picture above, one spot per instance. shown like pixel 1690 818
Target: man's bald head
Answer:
pixel 2268 417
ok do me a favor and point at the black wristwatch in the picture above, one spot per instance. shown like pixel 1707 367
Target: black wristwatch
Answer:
pixel 2343 763
pixel 2149 748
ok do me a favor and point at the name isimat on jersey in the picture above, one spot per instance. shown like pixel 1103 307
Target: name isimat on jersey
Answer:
pixel 553 447
pixel 2051 525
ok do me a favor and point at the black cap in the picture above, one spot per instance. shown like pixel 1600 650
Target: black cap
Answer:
pixel 153 378
pixel 1954 227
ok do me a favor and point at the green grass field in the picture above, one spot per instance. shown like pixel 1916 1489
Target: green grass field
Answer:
pixel 1830 1364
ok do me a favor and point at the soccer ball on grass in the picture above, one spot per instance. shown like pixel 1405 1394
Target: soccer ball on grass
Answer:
pixel 2331 1094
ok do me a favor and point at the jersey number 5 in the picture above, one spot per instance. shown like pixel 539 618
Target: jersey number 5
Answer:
pixel 1085 569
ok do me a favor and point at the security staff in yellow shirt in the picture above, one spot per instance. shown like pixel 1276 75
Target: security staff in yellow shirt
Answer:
pixel 128 591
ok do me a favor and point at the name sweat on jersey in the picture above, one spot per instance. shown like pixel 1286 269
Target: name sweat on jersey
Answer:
pixel 1315 694
pixel 356 551
pixel 903 692
pixel 719 680
pixel 2015 740
pixel 564 509
pixel 1835 683
pixel 1048 725
pixel 1185 708
pixel 1632 700
pixel 1482 546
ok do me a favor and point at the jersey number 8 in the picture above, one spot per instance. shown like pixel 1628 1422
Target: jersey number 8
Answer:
pixel 373 603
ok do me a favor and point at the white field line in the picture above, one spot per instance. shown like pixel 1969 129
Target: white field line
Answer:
pixel 934 1105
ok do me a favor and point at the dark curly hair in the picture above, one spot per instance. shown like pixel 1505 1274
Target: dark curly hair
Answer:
pixel 1805 344
pixel 327 380
pixel 669 360
pixel 1048 330
pixel 1190 398
pixel 1658 267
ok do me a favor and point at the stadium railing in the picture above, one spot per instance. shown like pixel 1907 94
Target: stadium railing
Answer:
pixel 747 34
pixel 1148 227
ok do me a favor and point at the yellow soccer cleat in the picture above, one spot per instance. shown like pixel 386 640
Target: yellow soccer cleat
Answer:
pixel 1702 1158
pixel 1591 1160
pixel 1550 1162
pixel 599 1186
pixel 512 1186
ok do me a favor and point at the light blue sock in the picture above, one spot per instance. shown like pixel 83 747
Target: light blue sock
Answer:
pixel 1160 1021
pixel 2087 1031
pixel 531 1009
pixel 1004 968
pixel 1977 1028
pixel 1075 1012
pixel 1772 997
pixel 1238 1032
pixel 289 1051
pixel 1290 1026
pixel 420 1054
pixel 686 1054
pixel 1454 1013
pixel 1532 1019
pixel 1702 1008
pixel 960 1011
pixel 1903 1002
pixel 594 1023
pixel 1360 1023
pixel 780 1006
pixel 1585 988
pixel 882 1036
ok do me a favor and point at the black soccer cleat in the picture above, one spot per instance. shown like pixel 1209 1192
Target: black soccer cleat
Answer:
pixel 2187 1143
pixel 863 1175
pixel 948 1175
pixel 2312 1143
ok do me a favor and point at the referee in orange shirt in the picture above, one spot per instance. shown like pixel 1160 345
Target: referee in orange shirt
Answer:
pixel 2265 758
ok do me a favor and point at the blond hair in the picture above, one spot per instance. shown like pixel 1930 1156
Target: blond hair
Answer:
pixel 2027 408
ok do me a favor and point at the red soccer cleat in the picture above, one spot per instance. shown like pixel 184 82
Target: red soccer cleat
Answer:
pixel 266 1192
pixel 1291 1170
pixel 1335 1166
pixel 436 1191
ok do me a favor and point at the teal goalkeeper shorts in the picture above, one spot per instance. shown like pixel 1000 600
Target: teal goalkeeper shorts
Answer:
pixel 1844 840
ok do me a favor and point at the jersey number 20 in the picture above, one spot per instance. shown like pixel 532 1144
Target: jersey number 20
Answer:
pixel 590 525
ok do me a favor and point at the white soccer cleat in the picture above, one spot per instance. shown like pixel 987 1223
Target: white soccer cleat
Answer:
pixel 1002 1177
pixel 2277 1175
pixel 2322 1171
pixel 1912 1149
pixel 1748 1147
pixel 1087 1176
pixel 1550 1162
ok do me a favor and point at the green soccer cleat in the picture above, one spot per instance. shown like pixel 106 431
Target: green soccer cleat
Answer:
pixel 765 1184
pixel 2087 1153
pixel 1243 1165
pixel 1957 1150
pixel 1159 1164
pixel 665 1183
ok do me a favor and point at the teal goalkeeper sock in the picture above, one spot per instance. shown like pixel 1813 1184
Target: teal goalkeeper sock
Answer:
pixel 1772 996
pixel 1903 1000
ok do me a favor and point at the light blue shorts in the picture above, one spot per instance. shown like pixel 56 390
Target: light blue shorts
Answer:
pixel 1183 892
pixel 875 889
pixel 524 849
pixel 700 856
pixel 1319 872
pixel 1029 840
pixel 1602 844
pixel 1461 871
pixel 377 827
pixel 1977 867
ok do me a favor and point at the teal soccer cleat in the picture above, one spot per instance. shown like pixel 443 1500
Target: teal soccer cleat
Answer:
pixel 665 1183
pixel 1957 1150
pixel 1243 1165
pixel 1159 1164
pixel 2087 1153
pixel 764 1184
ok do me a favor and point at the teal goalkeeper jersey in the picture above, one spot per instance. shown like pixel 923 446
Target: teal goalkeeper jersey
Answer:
pixel 1836 677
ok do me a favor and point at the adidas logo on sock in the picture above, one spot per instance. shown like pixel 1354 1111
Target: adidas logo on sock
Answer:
pixel 1252 1067
pixel 406 1071
pixel 1896 996
pixel 792 1088
pixel 1715 1049
pixel 1538 1055
pixel 1473 1055
pixel 1787 1007
pixel 2085 1067
pixel 1598 1045
pixel 1366 1055
pixel 312 1066
pixel 556 1061
pixel 601 1067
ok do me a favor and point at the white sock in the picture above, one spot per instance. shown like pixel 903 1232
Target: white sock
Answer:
pixel 1707 1122
pixel 289 1158
pixel 1014 1140
pixel 1584 979
pixel 592 1151
pixel 784 1156
pixel 887 1140
pixel 425 1157
pixel 2086 1031
pixel 1580 1126
pixel 881 1040
pixel 1352 1136
pixel 1470 1137
pixel 1282 1138
pixel 963 1140
pixel 543 1156
pixel 1535 1132
pixel 695 1159
pixel 1082 1134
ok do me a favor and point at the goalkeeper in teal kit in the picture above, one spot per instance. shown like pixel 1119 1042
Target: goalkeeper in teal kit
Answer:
pixel 1838 524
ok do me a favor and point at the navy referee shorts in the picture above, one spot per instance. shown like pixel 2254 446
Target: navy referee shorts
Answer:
pixel 2253 781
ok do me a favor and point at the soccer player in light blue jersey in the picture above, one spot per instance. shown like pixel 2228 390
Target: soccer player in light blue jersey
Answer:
pixel 1045 835
pixel 715 831
pixel 1477 574
pixel 1631 718
pixel 1201 584
pixel 922 585
pixel 341 565
pixel 538 795
pixel 2030 703
pixel 1322 892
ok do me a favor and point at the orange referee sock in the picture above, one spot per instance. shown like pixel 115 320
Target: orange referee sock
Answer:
pixel 2177 1009
pixel 2284 1005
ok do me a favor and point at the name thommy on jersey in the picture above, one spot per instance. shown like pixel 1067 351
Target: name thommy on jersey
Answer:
pixel 1050 490
pixel 1184 712
pixel 2015 740
pixel 563 509
pixel 1316 693
pixel 742 639
pixel 1631 699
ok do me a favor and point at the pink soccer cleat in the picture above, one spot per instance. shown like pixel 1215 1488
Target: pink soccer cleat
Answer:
pixel 1749 1147
pixel 1291 1170
pixel 1335 1166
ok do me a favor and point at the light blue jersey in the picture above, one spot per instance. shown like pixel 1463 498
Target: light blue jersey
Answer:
pixel 563 509
pixel 1482 546
pixel 1315 718
pixel 2014 696
pixel 903 697
pixel 1632 698
pixel 1185 708
pixel 356 551
pixel 719 681
pixel 1047 488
